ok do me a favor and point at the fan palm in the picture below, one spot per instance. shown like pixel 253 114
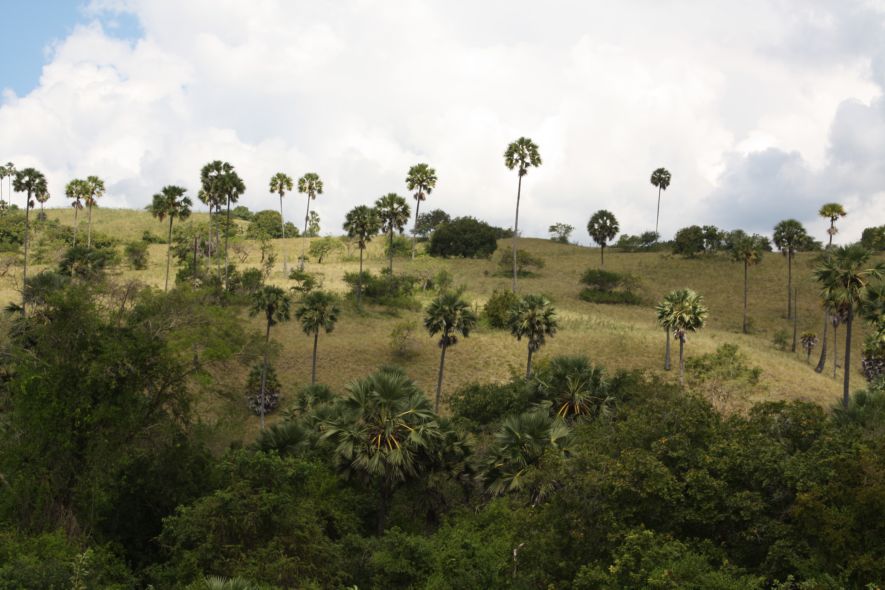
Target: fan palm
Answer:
pixel 275 304
pixel 42 197
pixel 602 227
pixel 682 311
pixel 76 191
pixel 281 183
pixel 4 173
pixel 747 250
pixel 361 224
pixel 318 311
pixel 448 316
pixel 421 179
pixel 845 277
pixel 832 211
pixel 660 178
pixel 534 318
pixel 170 202
pixel 10 176
pixel 809 341
pixel 32 182
pixel 220 185
pixel 384 433
pixel 574 387
pixel 311 185
pixel 663 310
pixel 790 237
pixel 522 154
pixel 94 188
pixel 393 211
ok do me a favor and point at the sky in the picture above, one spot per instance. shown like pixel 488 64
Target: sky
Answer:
pixel 761 110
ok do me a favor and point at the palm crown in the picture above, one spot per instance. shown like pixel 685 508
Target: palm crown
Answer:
pixel 533 318
pixel 362 223
pixel 660 178
pixel 449 316
pixel 522 154
pixel 421 179
pixel 30 181
pixel 76 191
pixel 682 311
pixel 603 227
pixel 170 202
pixel 317 311
pixel 790 236
pixel 280 183
pixel 273 302
pixel 311 185
pixel 393 211
pixel 94 190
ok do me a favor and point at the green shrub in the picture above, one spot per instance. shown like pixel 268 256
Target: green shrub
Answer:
pixel 87 263
pixel 485 403
pixel 322 247
pixel 386 289
pixel 267 224
pixel 689 241
pixel 873 238
pixel 605 286
pixel 151 238
pixel 609 297
pixel 402 247
pixel 464 237
pixel 305 281
pixel 137 254
pixel 402 338
pixel 524 262
pixel 272 390
pixel 497 309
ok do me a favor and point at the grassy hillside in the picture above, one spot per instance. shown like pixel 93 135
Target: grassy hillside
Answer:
pixel 615 336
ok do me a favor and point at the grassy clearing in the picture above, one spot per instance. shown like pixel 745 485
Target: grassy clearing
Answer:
pixel 614 336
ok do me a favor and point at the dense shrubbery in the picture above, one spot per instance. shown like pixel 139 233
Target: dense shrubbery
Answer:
pixel 604 286
pixel 137 254
pixel 392 290
pixel 873 238
pixel 496 311
pixel 645 242
pixel 526 263
pixel 268 224
pixel 464 237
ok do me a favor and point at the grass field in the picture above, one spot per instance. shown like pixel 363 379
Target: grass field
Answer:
pixel 614 336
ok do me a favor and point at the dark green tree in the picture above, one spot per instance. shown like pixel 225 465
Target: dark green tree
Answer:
pixel 281 183
pixel 534 318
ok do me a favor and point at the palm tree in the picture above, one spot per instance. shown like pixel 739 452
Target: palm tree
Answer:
pixel 170 202
pixel 790 237
pixel 393 210
pixel 809 341
pixel 837 318
pixel 361 223
pixel 575 388
pixel 663 310
pixel 275 304
pixel 832 211
pixel 220 184
pixel 94 190
pixel 748 250
pixel 845 277
pixel 449 316
pixel 534 318
pixel 42 197
pixel 280 183
pixel 318 311
pixel 661 179
pixel 384 433
pixel 76 190
pixel 682 311
pixel 421 179
pixel 522 154
pixel 602 227
pixel 4 172
pixel 311 185
pixel 10 175
pixel 32 182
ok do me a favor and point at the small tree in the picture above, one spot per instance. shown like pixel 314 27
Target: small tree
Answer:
pixel 170 202
pixel 76 191
pixel 94 190
pixel 560 232
pixel 393 211
pixel 809 341
pixel 448 316
pixel 317 311
pixel 682 311
pixel 533 318
pixel 602 227
pixel 275 304
pixel 313 224
pixel 427 223
pixel 522 154
pixel 281 183
pixel 361 224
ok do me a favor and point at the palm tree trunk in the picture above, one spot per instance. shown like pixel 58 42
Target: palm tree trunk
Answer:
pixel 795 317
pixel 746 292
pixel 847 369
pixel 226 234
pixel 415 229
pixel 313 370
pixel 359 280
pixel 602 255
pixel 76 226
pixel 305 239
pixel 658 215
pixel 27 240
pixel 264 375
pixel 168 255
pixel 682 360
pixel 283 228
pixel 822 362
pixel 790 284
pixel 528 366
pixel 195 269
pixel 835 349
pixel 383 504
pixel 516 229
pixel 439 378
pixel 390 252
pixel 89 230
pixel 667 350
pixel 832 225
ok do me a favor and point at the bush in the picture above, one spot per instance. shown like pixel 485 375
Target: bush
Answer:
pixel 267 224
pixel 497 309
pixel 689 241
pixel 429 222
pixel 605 286
pixel 272 390
pixel 242 212
pixel 305 281
pixel 385 289
pixel 87 263
pixel 485 403
pixel 873 238
pixel 609 297
pixel 642 243
pixel 149 238
pixel 781 339
pixel 137 254
pixel 465 237
pixel 402 247
pixel 402 338
pixel 321 248
pixel 524 261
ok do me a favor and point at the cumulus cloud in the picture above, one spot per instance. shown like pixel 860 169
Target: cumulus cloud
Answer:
pixel 761 111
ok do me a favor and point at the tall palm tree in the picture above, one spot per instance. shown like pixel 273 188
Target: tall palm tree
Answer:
pixel 534 318
pixel 32 182
pixel 76 191
pixel 421 179
pixel 393 210
pixel 361 224
pixel 832 211
pixel 384 433
pixel 663 310
pixel 42 197
pixel 311 185
pixel 275 304
pixel 219 182
pixel 790 237
pixel 281 183
pixel 660 178
pixel 845 277
pixel 171 202
pixel 234 187
pixel 602 227
pixel 683 311
pixel 747 250
pixel 522 154
pixel 449 316
pixel 317 311
pixel 94 190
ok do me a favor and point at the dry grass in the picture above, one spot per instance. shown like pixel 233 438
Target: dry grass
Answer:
pixel 614 336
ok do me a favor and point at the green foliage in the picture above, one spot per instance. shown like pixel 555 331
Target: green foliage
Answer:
pixel 726 364
pixel 781 340
pixel 610 297
pixel 644 242
pixel 603 227
pixel 87 263
pixel 429 222
pixel 604 286
pixel 464 237
pixel 401 247
pixel 873 238
pixel 689 241
pixel 268 224
pixel 321 248
pixel 241 212
pixel 137 254
pixel 390 290
pixel 525 262
pixel 560 232
pixel 272 390
pixel 402 338
pixel 305 281
pixel 486 403
pixel 496 311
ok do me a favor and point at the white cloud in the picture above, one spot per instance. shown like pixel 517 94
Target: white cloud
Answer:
pixel 743 103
